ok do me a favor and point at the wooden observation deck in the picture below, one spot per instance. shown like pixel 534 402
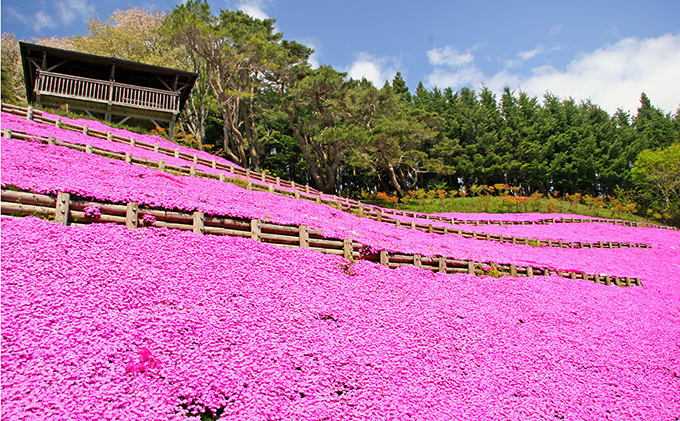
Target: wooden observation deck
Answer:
pixel 115 90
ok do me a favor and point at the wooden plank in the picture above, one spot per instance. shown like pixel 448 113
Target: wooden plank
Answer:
pixel 199 222
pixel 303 235
pixel 255 229
pixel 62 208
pixel 347 248
pixel 471 268
pixel 417 262
pixel 131 216
pixel 384 258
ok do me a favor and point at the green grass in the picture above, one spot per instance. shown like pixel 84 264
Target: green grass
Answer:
pixel 495 204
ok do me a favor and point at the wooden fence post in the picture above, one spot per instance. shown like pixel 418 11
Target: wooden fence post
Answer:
pixel 417 262
pixel 223 177
pixel 471 267
pixel 271 188
pixel 318 198
pixel 88 148
pixel 8 133
pixel 213 164
pixel 530 272
pixel 255 229
pixel 86 130
pixel 192 171
pixel 51 141
pixel 133 141
pixel 347 248
pixel 384 258
pixel 303 234
pixel 155 147
pixel 131 215
pixel 176 152
pixel 307 188
pixel 442 264
pixel 513 270
pixel 57 123
pixel 199 218
pixel 128 157
pixel 161 164
pixel 195 159
pixel 29 113
pixel 109 135
pixel 62 209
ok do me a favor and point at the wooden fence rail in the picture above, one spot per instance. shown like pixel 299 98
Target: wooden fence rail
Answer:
pixel 71 211
pixel 300 191
pixel 369 213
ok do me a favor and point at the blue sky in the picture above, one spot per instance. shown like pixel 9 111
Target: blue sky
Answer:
pixel 606 51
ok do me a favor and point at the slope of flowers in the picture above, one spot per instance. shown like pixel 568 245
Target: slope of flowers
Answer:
pixel 33 128
pixel 49 169
pixel 104 323
pixel 510 216
pixel 151 139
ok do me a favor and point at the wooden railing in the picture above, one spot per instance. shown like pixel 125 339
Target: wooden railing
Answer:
pixel 48 83
pixel 64 210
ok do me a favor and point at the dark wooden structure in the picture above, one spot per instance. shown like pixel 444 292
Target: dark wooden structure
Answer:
pixel 116 90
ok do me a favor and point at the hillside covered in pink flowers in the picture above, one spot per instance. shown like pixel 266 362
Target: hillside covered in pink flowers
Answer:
pixel 102 322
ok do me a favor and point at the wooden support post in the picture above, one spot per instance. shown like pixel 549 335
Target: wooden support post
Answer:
pixel 155 147
pixel 51 141
pixel 8 133
pixel 442 264
pixel 513 271
pixel 255 229
pixel 62 209
pixel 384 258
pixel 195 159
pixel 29 113
pixel 263 177
pixel 292 185
pixel 88 148
pixel 398 222
pixel 347 248
pixel 109 136
pixel 161 164
pixel 223 177
pixel 250 185
pixel 361 210
pixel 572 275
pixel 57 123
pixel 430 230
pixel 86 129
pixel 596 278
pixel 379 217
pixel 487 236
pixel 199 219
pixel 297 194
pixel 303 234
pixel 417 261
pixel 133 141
pixel 413 225
pixel 278 181
pixel 530 272
pixel 231 169
pixel 248 173
pixel 471 267
pixel 176 152
pixel 128 157
pixel 318 198
pixel 307 188
pixel 132 215
pixel 192 171
pixel 271 188
pixel 213 163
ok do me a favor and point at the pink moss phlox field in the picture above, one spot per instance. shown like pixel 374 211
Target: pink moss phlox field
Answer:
pixel 50 169
pixel 33 128
pixel 150 139
pixel 510 216
pixel 101 322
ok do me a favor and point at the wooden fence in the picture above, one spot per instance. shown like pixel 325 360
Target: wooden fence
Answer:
pixel 371 213
pixel 65 210
pixel 300 191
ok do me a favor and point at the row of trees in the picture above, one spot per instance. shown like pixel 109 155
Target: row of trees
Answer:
pixel 259 103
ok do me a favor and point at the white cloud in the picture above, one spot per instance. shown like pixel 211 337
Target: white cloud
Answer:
pixel 376 69
pixel 612 76
pixel 449 56
pixel 555 29
pixel 254 8
pixel 37 22
pixel 70 10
